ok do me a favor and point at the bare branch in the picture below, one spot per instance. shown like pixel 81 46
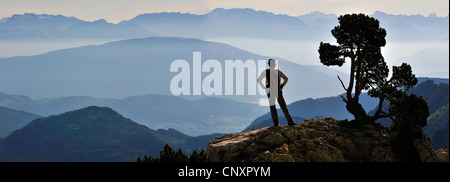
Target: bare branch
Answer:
pixel 379 109
pixel 380 106
pixel 342 83
pixel 343 99
pixel 386 115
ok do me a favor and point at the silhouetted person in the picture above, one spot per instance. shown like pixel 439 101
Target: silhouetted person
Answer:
pixel 274 90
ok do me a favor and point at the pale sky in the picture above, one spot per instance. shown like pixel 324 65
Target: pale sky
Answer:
pixel 117 10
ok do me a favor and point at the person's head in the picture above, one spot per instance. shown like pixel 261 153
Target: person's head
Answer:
pixel 272 63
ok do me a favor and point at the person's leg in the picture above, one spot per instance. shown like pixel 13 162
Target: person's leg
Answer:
pixel 273 110
pixel 274 114
pixel 284 108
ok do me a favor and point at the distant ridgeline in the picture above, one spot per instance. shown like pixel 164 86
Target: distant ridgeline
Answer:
pixel 236 22
pixel 12 119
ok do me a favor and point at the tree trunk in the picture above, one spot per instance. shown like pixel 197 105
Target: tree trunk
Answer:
pixel 357 111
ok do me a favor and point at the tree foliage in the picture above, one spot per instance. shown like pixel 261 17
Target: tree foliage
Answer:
pixel 411 116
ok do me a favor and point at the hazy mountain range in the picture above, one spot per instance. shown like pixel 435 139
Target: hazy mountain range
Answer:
pixel 413 27
pixel 435 59
pixel 30 27
pixel 207 115
pixel 192 117
pixel 237 22
pixel 142 66
pixel 412 38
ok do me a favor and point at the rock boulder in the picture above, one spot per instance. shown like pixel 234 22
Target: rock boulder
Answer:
pixel 325 140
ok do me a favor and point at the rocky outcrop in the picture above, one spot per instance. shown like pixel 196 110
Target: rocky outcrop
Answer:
pixel 326 140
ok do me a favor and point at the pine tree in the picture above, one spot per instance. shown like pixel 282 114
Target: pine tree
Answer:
pixel 169 155
pixel 360 39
